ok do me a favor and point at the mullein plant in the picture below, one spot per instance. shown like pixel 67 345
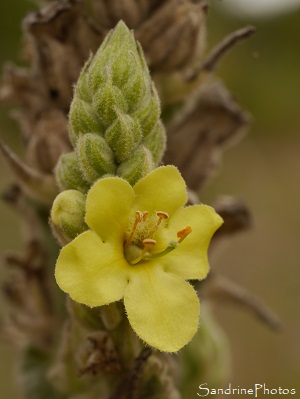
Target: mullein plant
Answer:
pixel 133 236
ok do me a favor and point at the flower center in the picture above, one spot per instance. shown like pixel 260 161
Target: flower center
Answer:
pixel 140 242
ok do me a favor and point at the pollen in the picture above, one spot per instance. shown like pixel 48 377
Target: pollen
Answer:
pixel 182 234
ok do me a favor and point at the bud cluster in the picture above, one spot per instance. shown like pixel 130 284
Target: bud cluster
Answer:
pixel 114 123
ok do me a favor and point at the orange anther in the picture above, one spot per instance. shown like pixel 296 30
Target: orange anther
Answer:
pixel 162 215
pixel 181 234
pixel 187 230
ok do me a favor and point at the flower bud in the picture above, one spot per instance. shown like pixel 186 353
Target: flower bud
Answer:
pixel 148 113
pixel 68 175
pixel 67 215
pixel 108 101
pixel 155 142
pixel 95 157
pixel 124 136
pixel 137 166
pixel 83 120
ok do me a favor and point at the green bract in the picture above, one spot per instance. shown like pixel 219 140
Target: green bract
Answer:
pixel 142 246
pixel 114 121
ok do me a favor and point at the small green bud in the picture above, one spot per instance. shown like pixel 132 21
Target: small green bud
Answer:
pixel 95 157
pixel 124 136
pixel 68 175
pixel 83 120
pixel 137 166
pixel 115 54
pixel 67 215
pixel 148 113
pixel 156 142
pixel 83 89
pixel 107 102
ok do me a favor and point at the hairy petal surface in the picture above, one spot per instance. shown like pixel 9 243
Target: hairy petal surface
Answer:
pixel 162 308
pixel 162 190
pixel 108 205
pixel 189 260
pixel 92 272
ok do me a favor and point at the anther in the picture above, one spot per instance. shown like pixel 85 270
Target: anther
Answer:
pixel 182 234
pixel 148 243
pixel 145 214
pixel 161 216
pixel 139 217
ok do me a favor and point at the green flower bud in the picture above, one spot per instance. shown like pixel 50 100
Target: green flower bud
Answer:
pixel 83 119
pixel 148 113
pixel 124 136
pixel 95 157
pixel 68 175
pixel 108 101
pixel 67 215
pixel 156 142
pixel 137 166
pixel 115 53
pixel 82 89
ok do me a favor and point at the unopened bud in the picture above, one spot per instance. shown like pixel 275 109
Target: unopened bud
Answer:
pixel 95 157
pixel 148 113
pixel 68 175
pixel 108 101
pixel 156 142
pixel 67 215
pixel 83 120
pixel 137 166
pixel 124 136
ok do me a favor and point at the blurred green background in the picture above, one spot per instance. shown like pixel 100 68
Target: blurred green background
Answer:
pixel 263 73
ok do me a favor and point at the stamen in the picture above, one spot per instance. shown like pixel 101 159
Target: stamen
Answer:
pixel 139 216
pixel 145 214
pixel 171 246
pixel 161 216
pixel 148 243
pixel 182 234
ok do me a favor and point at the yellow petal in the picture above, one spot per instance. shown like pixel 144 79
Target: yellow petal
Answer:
pixel 162 190
pixel 91 272
pixel 108 205
pixel 190 260
pixel 162 308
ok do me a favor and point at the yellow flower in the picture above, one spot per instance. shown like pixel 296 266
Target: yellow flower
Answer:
pixel 142 246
